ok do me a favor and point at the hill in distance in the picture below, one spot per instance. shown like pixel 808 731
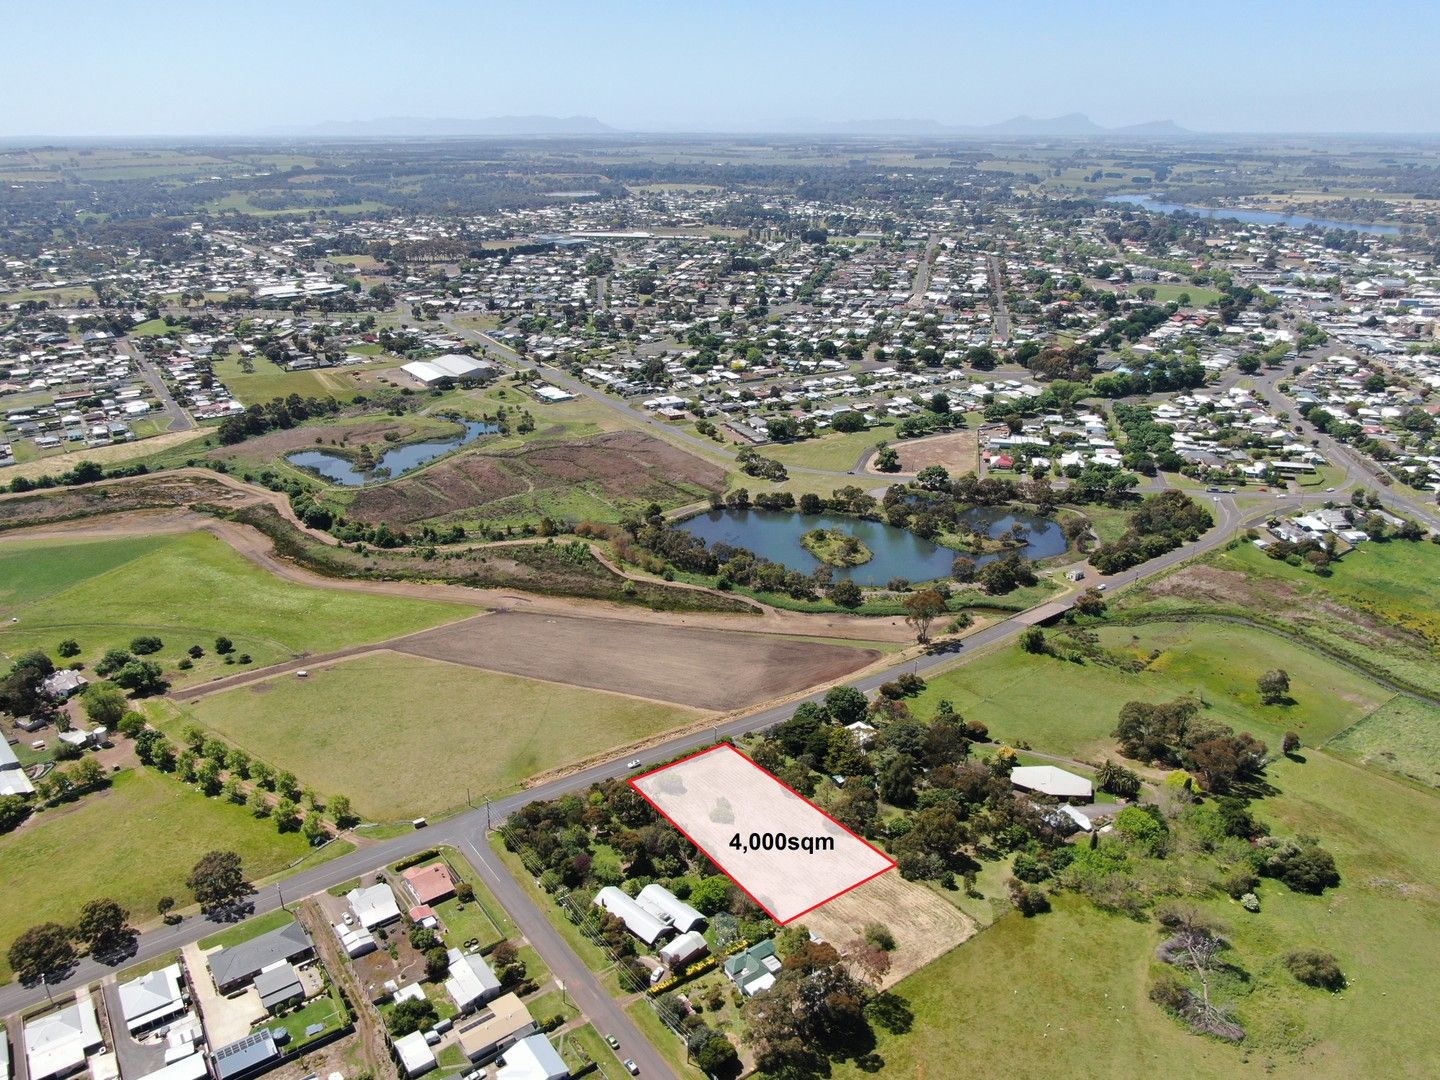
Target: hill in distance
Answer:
pixel 447 128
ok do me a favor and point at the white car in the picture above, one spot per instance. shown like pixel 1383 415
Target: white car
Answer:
pixel 631 1067
pixel 633 763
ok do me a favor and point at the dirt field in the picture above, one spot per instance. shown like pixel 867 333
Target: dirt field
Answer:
pixel 957 451
pixel 707 669
pixel 627 466
pixel 924 924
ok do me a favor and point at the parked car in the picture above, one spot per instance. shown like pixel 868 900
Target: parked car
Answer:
pixel 631 1067
pixel 613 1041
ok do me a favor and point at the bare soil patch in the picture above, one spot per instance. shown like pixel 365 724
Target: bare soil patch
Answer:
pixel 925 926
pixel 706 669
pixel 956 451
pixel 471 480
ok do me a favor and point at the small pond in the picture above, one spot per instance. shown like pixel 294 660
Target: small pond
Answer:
pixel 396 461
pixel 775 535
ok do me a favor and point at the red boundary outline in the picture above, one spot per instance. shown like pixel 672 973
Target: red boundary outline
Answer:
pixel 634 783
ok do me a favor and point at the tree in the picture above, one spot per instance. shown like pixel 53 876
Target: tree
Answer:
pixel 933 478
pixel 164 906
pixel 921 609
pixel 1315 967
pixel 145 645
pixel 224 646
pixel 848 422
pixel 140 677
pixel 1029 900
pixel 1118 780
pixel 845 704
pixel 1290 743
pixel 342 812
pixel 711 894
pixel 41 950
pixel 103 926
pixel 105 704
pixel 218 880
pixel 1032 640
pixel 846 593
pixel 14 809
pixel 1275 687
pixel 437 963
pixel 716 1056
pixel 68 648
pixel 112 661
pixel 20 689
pixel 410 1016
pixel 1304 866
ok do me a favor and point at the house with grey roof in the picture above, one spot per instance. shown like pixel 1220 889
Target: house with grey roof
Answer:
pixel 236 967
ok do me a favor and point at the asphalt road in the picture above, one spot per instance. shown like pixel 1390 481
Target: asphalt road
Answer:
pixel 169 407
pixel 1002 310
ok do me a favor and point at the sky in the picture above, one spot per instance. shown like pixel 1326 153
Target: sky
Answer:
pixel 152 67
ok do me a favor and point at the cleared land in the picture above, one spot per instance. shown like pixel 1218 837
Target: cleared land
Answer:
pixel 957 452
pixel 1403 735
pixel 268 380
pixel 833 452
pixel 402 735
pixel 925 925
pixel 705 669
pixel 134 842
pixel 186 590
pixel 1067 708
pixel 600 476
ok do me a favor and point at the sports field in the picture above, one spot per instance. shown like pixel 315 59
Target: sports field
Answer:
pixel 186 589
pixel 403 736
pixel 134 843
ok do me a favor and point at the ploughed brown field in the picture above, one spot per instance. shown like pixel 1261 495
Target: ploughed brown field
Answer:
pixel 707 669
pixel 620 465
pixel 955 451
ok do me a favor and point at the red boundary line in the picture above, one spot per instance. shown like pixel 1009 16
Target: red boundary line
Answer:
pixel 634 783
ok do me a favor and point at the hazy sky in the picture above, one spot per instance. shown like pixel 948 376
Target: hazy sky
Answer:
pixel 142 67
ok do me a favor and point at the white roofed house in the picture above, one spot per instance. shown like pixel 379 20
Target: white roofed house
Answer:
pixel 685 948
pixel 57 1043
pixel 660 901
pixel 13 780
pixel 471 982
pixel 374 906
pixel 153 999
pixel 532 1058
pixel 1048 780
pixel 640 922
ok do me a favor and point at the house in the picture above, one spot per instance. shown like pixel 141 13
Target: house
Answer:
pixel 643 924
pixel 669 908
pixel 246 1057
pixel 688 946
pixel 532 1058
pixel 416 1057
pixel 1048 780
pixel 471 982
pixel 57 1043
pixel 430 884
pixel 189 1067
pixel 279 986
pixel 374 906
pixel 754 969
pixel 152 999
pixel 355 940
pixel 63 685
pixel 236 967
pixel 13 780
pixel 508 1021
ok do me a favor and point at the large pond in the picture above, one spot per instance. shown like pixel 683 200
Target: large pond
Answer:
pixel 1250 217
pixel 394 462
pixel 899 553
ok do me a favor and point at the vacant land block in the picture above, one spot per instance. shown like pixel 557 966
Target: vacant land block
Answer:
pixel 403 735
pixel 924 924
pixel 788 855
pixel 135 842
pixel 1403 735
pixel 704 669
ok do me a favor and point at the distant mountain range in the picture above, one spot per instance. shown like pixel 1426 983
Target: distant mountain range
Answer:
pixel 442 128
pixel 1070 126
